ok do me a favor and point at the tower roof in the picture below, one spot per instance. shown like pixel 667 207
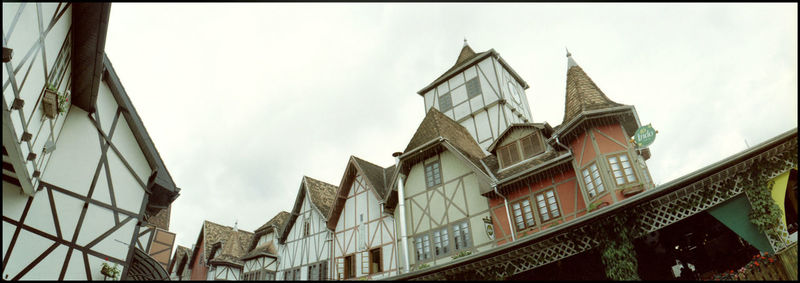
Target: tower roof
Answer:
pixel 582 93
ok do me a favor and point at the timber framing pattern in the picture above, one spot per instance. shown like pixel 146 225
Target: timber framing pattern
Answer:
pixel 662 206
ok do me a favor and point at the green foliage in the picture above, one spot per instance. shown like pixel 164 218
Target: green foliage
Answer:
pixel 110 271
pixel 423 266
pixel 461 254
pixel 618 253
pixel 52 87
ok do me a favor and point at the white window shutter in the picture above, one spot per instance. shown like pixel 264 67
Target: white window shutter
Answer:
pixel 364 263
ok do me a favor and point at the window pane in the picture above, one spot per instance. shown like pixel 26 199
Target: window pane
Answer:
pixel 445 103
pixel 473 88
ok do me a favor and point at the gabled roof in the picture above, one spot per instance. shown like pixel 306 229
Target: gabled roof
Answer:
pixel 160 185
pixel 375 177
pixel 582 93
pixel 545 127
pixel 180 259
pixel 275 225
pixel 435 125
pixel 466 58
pixel 322 196
pixel 264 250
pixel 437 133
pixel 233 248
pixel 212 233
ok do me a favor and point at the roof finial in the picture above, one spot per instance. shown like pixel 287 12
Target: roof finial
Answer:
pixel 570 62
pixel 236 225
pixel 465 41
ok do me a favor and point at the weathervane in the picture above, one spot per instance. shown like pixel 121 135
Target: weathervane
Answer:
pixel 465 41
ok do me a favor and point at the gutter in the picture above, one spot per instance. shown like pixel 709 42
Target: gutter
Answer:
pixel 401 206
pixel 505 201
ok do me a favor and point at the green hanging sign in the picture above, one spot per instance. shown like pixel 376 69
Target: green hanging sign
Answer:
pixel 644 136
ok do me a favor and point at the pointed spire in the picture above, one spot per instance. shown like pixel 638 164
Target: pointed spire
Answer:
pixel 582 93
pixel 570 62
pixel 466 53
pixel 236 225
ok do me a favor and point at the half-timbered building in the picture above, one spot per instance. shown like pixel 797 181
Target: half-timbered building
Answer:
pixel 179 265
pixel 436 190
pixel 482 93
pixel 364 233
pixel 261 261
pixel 305 242
pixel 82 179
pixel 210 260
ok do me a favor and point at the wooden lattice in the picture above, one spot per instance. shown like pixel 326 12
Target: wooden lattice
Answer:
pixel 655 214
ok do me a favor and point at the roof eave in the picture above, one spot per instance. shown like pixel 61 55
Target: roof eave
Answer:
pixel 452 73
pixel 90 25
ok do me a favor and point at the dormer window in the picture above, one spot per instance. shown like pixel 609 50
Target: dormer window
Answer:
pixel 519 150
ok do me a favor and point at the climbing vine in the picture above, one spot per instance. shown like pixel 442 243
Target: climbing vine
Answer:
pixel 618 253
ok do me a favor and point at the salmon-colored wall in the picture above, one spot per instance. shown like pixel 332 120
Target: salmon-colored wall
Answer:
pixel 199 270
pixel 606 145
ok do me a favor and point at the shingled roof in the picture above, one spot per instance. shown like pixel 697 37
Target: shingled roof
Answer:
pixel 582 93
pixel 322 196
pixel 214 233
pixel 436 124
pixel 466 58
pixel 233 248
pixel 276 222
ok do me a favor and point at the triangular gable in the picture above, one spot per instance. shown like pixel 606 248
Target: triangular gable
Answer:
pixel 373 174
pixel 321 201
pixel 540 126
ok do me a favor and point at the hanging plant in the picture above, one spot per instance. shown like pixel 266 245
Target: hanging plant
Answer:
pixel 110 271
pixel 63 102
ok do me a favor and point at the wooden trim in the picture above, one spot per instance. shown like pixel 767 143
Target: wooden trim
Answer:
pixel 35 262
pixel 16 231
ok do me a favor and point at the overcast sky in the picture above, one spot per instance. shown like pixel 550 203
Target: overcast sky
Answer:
pixel 242 100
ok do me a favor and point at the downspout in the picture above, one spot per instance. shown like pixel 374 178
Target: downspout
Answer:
pixel 401 206
pixel 505 201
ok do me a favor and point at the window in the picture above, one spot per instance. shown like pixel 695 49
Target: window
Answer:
pixel 531 145
pixel 621 167
pixel 473 88
pixel 548 206
pixel 211 271
pixel 287 275
pixel 306 229
pixel 268 275
pixel 594 185
pixel 461 234
pixel 323 270
pixel 523 214
pixel 445 102
pixel 349 267
pixel 375 261
pixel 519 150
pixel 423 247
pixel 313 272
pixel 440 242
pixel 433 174
pixel 509 154
pixel 296 275
pixel 513 91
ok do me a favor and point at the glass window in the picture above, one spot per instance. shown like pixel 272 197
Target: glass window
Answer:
pixel 433 174
pixel 621 168
pixel 313 272
pixel 591 177
pixel 445 102
pixel 423 247
pixel 440 242
pixel 461 234
pixel 473 88
pixel 548 206
pixel 523 214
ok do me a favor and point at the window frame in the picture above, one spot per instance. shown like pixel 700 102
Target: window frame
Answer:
pixel 592 180
pixel 465 236
pixel 372 260
pixel 306 228
pixel 537 142
pixel 421 242
pixel 505 151
pixel 622 168
pixel 442 240
pixel 436 182
pixel 349 261
pixel 548 205
pixel 522 213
